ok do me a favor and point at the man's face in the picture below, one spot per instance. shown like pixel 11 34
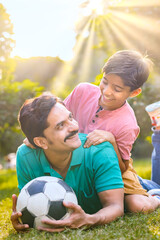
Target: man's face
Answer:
pixel 62 133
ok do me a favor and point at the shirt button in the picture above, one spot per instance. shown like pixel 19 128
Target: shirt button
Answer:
pixel 96 115
pixel 93 121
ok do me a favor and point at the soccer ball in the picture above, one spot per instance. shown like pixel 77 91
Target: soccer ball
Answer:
pixel 42 198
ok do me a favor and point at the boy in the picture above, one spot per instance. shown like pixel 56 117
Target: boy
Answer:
pixel 104 114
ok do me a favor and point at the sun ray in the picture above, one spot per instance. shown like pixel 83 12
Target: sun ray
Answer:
pixel 137 3
pixel 125 25
pixel 137 21
pixel 118 35
pixel 62 79
pixel 87 56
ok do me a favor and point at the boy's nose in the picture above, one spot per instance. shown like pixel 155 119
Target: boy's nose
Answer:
pixel 107 90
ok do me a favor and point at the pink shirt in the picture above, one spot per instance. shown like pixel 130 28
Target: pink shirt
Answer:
pixel 83 103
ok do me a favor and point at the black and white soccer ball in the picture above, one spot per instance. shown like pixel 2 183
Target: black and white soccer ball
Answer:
pixel 42 198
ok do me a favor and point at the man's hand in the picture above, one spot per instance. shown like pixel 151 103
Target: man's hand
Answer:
pixel 98 136
pixel 15 217
pixel 77 219
pixel 27 143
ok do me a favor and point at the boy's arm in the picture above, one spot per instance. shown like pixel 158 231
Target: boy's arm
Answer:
pixel 98 136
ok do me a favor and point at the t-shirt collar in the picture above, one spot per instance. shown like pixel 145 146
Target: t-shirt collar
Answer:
pixel 77 156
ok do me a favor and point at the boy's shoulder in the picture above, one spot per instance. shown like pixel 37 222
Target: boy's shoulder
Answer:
pixel 86 86
pixel 125 116
pixel 127 111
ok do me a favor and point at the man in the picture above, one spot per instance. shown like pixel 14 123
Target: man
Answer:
pixel 94 175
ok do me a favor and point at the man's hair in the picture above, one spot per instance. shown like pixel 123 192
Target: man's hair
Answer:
pixel 34 113
pixel 129 65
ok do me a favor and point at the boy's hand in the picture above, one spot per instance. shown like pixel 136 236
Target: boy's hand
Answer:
pixel 27 143
pixel 15 217
pixel 98 136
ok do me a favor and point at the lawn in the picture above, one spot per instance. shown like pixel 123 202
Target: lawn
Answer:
pixel 131 226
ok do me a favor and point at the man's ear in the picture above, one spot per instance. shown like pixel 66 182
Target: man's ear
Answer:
pixel 41 142
pixel 135 92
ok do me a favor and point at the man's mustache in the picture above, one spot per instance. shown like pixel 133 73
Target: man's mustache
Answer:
pixel 70 135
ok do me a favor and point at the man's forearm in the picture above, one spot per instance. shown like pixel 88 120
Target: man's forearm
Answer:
pixel 105 215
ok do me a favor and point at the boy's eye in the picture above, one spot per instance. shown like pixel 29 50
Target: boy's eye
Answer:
pixel 118 90
pixel 104 81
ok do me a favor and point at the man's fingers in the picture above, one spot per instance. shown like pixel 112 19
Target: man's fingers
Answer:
pixel 15 216
pixel 22 227
pixel 14 200
pixel 71 205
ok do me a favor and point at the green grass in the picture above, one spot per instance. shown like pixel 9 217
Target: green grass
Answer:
pixel 131 226
pixel 143 167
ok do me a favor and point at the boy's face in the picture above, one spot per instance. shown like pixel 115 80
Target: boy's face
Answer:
pixel 113 92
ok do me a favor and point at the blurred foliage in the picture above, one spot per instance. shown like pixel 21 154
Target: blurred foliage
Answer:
pixel 6 30
pixel 12 96
pixel 38 69
pixel 12 93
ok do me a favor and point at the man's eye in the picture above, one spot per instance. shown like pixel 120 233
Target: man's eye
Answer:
pixel 60 126
pixel 71 117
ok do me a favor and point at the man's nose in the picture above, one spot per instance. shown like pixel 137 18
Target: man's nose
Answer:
pixel 73 126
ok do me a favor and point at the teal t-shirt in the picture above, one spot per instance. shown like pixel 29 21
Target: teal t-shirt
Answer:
pixel 92 170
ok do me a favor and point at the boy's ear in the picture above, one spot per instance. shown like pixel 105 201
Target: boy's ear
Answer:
pixel 135 92
pixel 41 142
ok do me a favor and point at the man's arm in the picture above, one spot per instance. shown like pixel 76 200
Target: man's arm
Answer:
pixel 112 202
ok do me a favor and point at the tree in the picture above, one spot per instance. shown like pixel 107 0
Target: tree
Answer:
pixel 12 96
pixel 6 30
pixel 6 45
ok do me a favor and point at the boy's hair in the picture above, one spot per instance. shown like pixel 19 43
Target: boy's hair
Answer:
pixel 129 65
pixel 34 113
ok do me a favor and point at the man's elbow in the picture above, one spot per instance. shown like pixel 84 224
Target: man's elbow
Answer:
pixel 119 210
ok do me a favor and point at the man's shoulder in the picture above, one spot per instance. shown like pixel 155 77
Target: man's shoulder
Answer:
pixel 83 137
pixel 24 150
pixel 93 148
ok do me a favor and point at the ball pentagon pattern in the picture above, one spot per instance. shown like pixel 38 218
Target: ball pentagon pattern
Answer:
pixel 42 198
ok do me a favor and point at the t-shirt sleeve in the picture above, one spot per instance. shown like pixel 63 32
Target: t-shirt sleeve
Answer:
pixel 23 175
pixel 107 173
pixel 125 141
